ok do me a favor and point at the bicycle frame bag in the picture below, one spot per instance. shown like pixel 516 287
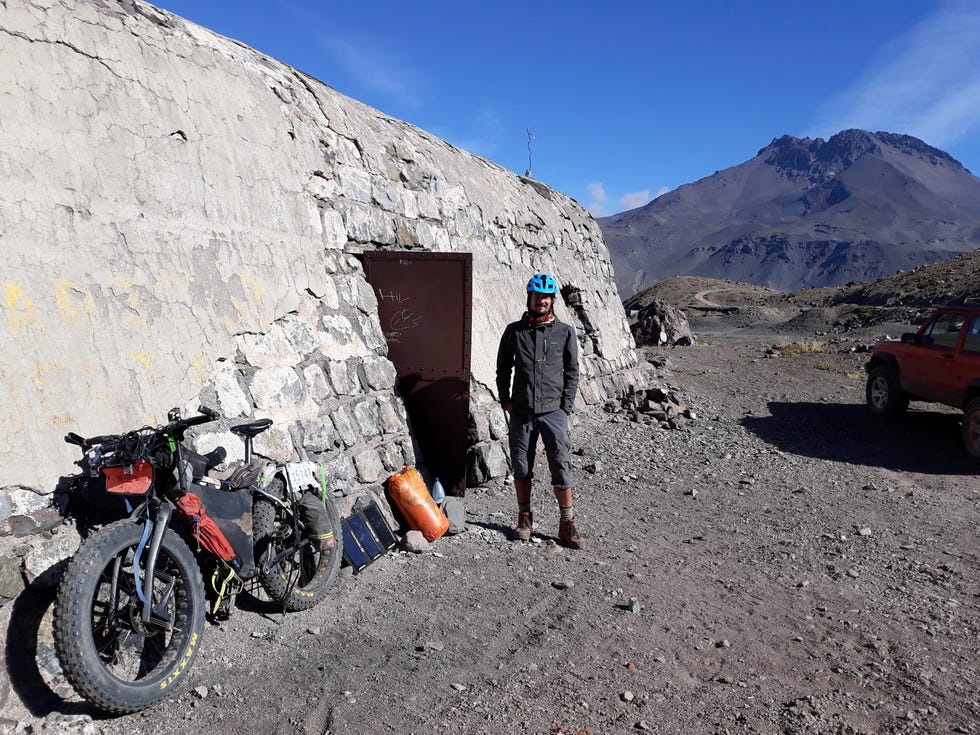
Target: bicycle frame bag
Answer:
pixel 232 512
pixel 205 530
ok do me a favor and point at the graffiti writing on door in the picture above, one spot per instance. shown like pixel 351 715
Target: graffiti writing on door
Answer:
pixel 401 320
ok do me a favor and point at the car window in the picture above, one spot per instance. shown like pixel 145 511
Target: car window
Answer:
pixel 972 343
pixel 945 330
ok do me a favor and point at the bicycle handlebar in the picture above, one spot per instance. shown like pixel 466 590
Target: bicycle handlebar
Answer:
pixel 177 428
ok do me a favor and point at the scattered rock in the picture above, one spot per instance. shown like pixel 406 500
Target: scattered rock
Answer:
pixel 414 542
pixel 456 513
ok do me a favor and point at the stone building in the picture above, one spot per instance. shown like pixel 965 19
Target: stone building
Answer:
pixel 181 219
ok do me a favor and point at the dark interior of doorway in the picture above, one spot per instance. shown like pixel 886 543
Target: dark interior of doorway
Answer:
pixel 425 309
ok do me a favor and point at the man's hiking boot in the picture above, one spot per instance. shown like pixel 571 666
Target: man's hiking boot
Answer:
pixel 569 535
pixel 525 522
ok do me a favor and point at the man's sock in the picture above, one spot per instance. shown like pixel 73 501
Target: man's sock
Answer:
pixel 567 514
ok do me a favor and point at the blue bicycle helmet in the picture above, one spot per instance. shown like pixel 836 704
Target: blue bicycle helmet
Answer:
pixel 542 283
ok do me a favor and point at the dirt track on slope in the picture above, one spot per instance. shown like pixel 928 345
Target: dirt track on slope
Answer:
pixel 780 564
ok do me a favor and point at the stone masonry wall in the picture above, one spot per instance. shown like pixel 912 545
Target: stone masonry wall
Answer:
pixel 179 220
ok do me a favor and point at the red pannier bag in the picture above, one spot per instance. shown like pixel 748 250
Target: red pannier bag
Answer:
pixel 134 482
pixel 204 528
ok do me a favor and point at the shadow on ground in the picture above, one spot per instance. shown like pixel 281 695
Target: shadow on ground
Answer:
pixel 920 441
pixel 30 661
pixel 502 529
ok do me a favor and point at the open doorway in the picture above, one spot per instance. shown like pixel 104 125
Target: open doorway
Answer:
pixel 425 307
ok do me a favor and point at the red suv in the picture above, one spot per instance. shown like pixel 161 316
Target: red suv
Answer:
pixel 939 363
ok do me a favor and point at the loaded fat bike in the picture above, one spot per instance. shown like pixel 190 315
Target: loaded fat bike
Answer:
pixel 169 544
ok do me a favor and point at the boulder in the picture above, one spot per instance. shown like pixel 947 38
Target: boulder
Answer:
pixel 659 323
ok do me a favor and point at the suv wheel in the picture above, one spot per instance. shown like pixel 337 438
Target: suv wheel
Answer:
pixel 884 396
pixel 971 428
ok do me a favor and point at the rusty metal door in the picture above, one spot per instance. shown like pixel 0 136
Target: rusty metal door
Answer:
pixel 425 308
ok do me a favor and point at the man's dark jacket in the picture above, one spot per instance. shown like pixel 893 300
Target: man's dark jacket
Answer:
pixel 544 362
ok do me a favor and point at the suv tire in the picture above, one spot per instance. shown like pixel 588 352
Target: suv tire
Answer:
pixel 971 428
pixel 884 396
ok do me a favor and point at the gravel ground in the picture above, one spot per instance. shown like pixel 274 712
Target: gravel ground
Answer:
pixel 782 563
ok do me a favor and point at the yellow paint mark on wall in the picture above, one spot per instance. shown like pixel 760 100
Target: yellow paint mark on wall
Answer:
pixel 20 309
pixel 47 368
pixel 15 297
pixel 134 322
pixel 201 377
pixel 59 419
pixel 248 281
pixel 140 357
pixel 61 295
pixel 238 306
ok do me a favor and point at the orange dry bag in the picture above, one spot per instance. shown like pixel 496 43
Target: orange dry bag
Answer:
pixel 408 490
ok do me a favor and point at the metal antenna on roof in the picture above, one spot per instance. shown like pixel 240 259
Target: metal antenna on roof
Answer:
pixel 530 137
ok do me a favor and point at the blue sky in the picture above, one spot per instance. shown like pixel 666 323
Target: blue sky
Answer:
pixel 629 99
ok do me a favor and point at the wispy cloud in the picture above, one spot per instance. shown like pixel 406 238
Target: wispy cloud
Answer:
pixel 597 199
pixel 925 83
pixel 634 199
pixel 377 68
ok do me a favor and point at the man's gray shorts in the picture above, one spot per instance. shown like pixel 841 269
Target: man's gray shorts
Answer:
pixel 552 427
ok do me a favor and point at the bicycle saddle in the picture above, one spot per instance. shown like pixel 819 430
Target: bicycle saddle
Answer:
pixel 252 428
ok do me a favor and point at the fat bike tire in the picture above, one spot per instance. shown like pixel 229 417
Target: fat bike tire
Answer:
pixel 106 653
pixel 302 580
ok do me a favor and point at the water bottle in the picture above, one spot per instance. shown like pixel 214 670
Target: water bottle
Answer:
pixel 438 493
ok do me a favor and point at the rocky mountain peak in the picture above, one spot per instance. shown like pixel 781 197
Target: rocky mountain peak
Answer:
pixel 818 160
pixel 912 145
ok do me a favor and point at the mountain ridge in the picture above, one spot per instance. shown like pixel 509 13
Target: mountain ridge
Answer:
pixel 804 213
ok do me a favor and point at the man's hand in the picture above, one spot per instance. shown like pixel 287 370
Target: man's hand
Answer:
pixel 506 407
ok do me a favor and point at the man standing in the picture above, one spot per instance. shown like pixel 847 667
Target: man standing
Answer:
pixel 542 354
